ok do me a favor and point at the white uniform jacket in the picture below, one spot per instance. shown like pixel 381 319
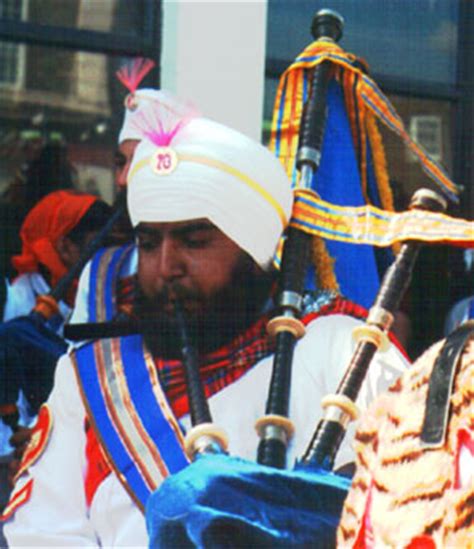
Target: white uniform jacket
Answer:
pixel 55 513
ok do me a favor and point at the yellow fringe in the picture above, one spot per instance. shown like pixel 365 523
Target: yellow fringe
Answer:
pixel 324 266
pixel 380 167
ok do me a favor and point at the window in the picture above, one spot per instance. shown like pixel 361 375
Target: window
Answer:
pixel 57 80
pixel 12 55
pixel 426 130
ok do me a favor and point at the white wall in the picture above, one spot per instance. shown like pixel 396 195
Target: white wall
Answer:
pixel 214 54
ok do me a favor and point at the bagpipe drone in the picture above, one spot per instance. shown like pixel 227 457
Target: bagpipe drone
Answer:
pixel 223 501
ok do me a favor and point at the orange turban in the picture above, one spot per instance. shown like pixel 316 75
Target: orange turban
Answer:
pixel 52 217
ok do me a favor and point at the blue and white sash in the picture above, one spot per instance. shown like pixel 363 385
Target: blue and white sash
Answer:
pixel 105 270
pixel 130 413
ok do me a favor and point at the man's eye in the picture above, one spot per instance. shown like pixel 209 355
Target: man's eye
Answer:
pixel 197 241
pixel 146 244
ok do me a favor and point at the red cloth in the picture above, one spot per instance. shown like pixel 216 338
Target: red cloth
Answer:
pixel 52 217
pixel 98 468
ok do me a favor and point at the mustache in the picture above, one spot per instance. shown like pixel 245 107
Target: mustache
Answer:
pixel 170 294
pixel 158 305
pixel 211 319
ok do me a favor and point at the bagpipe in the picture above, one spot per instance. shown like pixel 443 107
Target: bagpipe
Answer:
pixel 222 500
pixel 219 500
pixel 30 345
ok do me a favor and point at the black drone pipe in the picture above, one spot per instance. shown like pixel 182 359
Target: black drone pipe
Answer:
pixel 274 428
pixel 204 437
pixel 340 408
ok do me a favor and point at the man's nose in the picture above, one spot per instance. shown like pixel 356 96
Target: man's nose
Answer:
pixel 171 264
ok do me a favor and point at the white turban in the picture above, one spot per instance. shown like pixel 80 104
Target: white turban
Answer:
pixel 140 110
pixel 211 171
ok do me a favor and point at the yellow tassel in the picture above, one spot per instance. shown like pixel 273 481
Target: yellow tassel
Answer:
pixel 380 167
pixel 380 163
pixel 324 266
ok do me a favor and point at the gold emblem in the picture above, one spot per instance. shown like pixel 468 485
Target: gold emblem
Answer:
pixel 164 161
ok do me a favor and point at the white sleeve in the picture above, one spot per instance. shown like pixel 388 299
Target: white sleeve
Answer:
pixel 80 312
pixel 56 513
pixel 20 298
pixel 321 358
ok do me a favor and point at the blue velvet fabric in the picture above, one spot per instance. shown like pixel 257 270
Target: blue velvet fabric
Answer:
pixel 221 501
pixel 29 350
pixel 338 181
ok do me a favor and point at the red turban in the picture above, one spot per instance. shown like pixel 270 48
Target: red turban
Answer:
pixel 52 217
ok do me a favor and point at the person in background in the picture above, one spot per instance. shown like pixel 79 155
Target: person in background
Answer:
pixel 208 206
pixel 121 263
pixel 53 235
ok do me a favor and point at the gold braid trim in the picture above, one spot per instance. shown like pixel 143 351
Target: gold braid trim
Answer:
pixel 380 167
pixel 324 266
pixel 380 163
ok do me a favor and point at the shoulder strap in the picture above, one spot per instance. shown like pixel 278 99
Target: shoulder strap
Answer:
pixel 105 270
pixel 130 413
pixel 440 386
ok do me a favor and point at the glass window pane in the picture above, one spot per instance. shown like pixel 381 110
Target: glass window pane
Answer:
pixel 12 9
pixel 429 122
pixel 54 94
pixel 121 16
pixel 412 40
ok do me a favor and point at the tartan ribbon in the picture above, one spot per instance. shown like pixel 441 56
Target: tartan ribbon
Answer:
pixel 374 226
pixel 292 93
pixel 217 369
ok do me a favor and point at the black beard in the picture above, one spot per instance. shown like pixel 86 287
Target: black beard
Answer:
pixel 216 321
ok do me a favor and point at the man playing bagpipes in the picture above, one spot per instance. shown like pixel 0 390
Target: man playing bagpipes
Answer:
pixel 225 501
pixel 208 206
